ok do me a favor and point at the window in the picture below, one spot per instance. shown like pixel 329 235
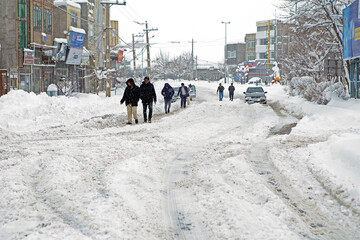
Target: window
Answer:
pixel 263 41
pixel 73 21
pixel 91 33
pixel 251 56
pixel 22 24
pixel 263 55
pixel 22 35
pixel 272 55
pixel 272 41
pixel 265 28
pixel 47 21
pixel 37 18
pixel 231 54
pixel 251 43
pixel 22 9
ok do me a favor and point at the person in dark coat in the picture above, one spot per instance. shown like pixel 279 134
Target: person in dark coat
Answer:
pixel 184 93
pixel 231 91
pixel 220 90
pixel 148 97
pixel 131 98
pixel 168 92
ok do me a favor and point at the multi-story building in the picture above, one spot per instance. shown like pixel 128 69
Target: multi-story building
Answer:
pixel 250 41
pixel 236 54
pixel 27 42
pixel 88 23
pixel 273 41
pixel 68 16
pixel 114 37
pixel 265 40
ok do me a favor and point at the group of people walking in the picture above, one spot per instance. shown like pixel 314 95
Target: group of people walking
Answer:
pixel 220 91
pixel 146 92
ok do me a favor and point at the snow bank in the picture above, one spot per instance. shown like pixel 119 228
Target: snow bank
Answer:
pixel 320 93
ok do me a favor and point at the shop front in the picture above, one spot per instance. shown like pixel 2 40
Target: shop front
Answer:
pixel 4 82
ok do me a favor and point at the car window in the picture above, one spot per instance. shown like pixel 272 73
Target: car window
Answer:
pixel 255 89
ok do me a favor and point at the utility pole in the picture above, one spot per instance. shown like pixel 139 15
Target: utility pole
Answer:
pixel 107 56
pixel 192 58
pixel 107 28
pixel 226 23
pixel 147 30
pixel 268 44
pixel 134 56
pixel 196 65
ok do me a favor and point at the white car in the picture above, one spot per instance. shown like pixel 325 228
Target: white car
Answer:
pixel 255 80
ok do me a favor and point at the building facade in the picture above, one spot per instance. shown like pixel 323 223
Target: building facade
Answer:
pixel 27 43
pixel 250 41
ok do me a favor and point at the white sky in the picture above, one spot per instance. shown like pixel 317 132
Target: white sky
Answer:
pixel 198 19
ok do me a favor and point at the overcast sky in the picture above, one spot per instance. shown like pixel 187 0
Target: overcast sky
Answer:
pixel 182 21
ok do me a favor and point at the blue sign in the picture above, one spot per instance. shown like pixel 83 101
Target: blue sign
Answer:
pixel 77 39
pixel 351 31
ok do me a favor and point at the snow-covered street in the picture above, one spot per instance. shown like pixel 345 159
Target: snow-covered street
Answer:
pixel 71 169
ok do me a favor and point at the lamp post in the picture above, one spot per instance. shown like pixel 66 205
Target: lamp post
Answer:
pixel 225 54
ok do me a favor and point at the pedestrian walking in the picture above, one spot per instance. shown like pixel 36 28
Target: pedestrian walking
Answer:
pixel 220 90
pixel 231 91
pixel 188 97
pixel 184 93
pixel 168 92
pixel 148 97
pixel 131 98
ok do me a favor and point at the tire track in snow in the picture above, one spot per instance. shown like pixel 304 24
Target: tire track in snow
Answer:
pixel 179 224
pixel 68 217
pixel 320 224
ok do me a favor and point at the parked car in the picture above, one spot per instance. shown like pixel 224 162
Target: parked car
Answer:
pixel 255 80
pixel 175 96
pixel 255 94
pixel 192 92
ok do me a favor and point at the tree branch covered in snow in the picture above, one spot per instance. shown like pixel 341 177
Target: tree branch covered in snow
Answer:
pixel 179 67
pixel 317 35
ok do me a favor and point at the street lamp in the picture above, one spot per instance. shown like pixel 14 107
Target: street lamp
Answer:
pixel 225 55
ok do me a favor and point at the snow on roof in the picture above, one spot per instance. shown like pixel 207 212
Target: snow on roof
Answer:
pixel 58 3
pixel 78 30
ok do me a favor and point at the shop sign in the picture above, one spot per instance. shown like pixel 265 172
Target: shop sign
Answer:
pixel 74 56
pixel 29 57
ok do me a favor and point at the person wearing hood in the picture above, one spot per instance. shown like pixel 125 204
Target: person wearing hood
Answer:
pixel 184 93
pixel 148 96
pixel 168 93
pixel 131 98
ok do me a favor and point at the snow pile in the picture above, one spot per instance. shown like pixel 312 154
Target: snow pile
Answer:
pixel 22 112
pixel 321 93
